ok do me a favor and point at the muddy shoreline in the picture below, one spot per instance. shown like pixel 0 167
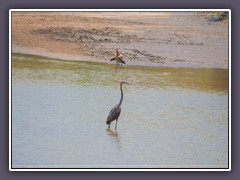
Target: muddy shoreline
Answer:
pixel 161 39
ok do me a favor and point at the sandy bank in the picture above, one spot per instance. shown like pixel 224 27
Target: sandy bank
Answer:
pixel 145 38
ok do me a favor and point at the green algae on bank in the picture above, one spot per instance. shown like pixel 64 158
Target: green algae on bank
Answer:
pixel 207 79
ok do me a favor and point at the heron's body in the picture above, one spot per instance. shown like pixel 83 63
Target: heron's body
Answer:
pixel 114 114
pixel 118 58
pixel 116 110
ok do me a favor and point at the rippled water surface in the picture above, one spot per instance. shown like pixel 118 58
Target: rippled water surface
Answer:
pixel 171 117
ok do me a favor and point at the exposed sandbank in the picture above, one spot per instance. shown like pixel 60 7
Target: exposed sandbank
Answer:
pixel 164 39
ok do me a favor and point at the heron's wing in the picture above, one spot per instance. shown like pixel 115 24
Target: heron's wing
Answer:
pixel 113 113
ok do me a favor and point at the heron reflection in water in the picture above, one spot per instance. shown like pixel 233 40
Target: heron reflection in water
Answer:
pixel 118 58
pixel 116 110
pixel 114 134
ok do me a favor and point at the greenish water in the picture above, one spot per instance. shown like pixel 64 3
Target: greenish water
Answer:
pixel 171 117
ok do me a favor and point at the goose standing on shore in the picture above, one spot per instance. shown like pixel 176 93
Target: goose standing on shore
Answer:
pixel 118 58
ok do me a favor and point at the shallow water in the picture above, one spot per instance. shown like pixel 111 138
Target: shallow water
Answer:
pixel 171 117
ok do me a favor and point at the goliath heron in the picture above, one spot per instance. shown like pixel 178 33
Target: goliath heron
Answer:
pixel 115 112
pixel 118 58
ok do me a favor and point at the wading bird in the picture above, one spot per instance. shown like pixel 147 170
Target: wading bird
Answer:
pixel 118 58
pixel 115 112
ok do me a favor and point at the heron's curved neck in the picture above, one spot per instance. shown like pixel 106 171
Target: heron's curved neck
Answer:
pixel 121 95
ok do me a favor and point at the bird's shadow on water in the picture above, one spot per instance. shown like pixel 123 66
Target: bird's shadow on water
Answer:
pixel 113 133
pixel 118 68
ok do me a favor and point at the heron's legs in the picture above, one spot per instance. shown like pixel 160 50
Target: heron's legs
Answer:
pixel 109 126
pixel 116 125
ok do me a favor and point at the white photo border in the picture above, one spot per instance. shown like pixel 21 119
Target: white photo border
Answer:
pixel 118 169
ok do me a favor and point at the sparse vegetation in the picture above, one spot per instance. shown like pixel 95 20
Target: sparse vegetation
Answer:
pixel 215 16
